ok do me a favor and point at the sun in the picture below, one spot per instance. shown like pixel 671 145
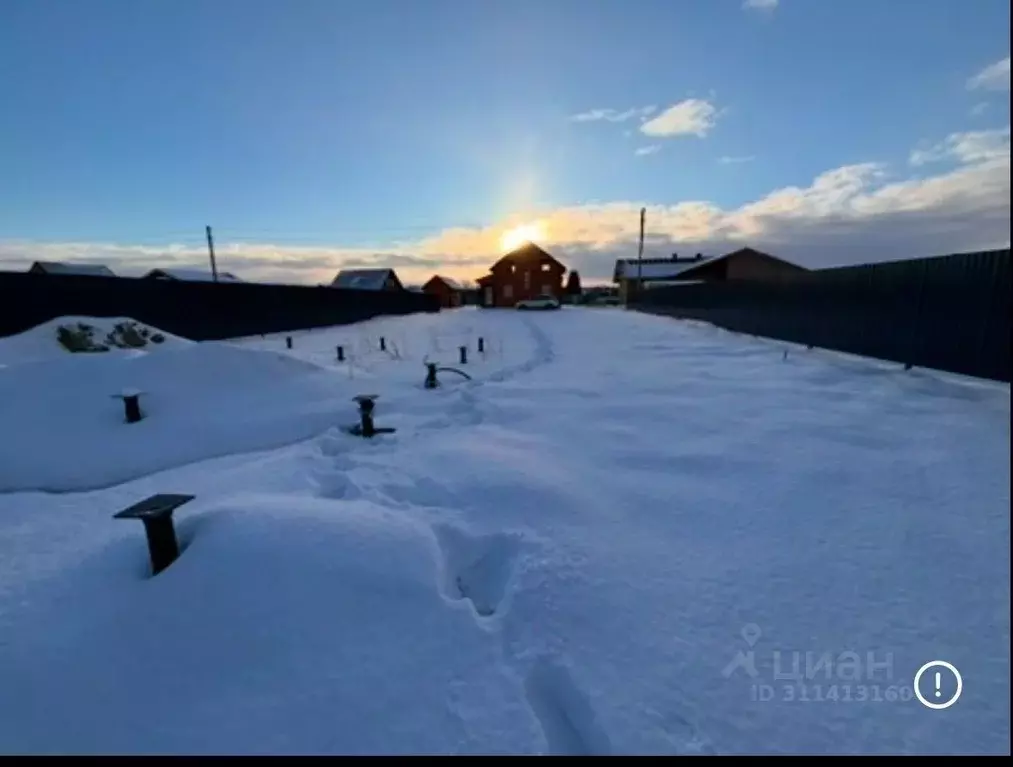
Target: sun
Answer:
pixel 513 238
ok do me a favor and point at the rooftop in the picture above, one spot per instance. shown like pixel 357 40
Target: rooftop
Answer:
pixel 656 268
pixel 525 253
pixel 192 275
pixel 67 267
pixel 363 279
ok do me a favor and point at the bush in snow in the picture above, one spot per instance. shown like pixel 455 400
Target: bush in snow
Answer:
pixel 78 338
pixel 125 335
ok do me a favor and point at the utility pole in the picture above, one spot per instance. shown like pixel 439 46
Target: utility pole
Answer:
pixel 211 253
pixel 640 249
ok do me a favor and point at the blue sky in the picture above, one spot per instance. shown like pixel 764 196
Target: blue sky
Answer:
pixel 314 133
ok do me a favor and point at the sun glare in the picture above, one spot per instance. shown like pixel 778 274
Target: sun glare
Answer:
pixel 514 238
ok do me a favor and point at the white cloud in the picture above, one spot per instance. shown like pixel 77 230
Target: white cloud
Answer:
pixel 760 5
pixel 646 150
pixel 613 115
pixel 257 261
pixel 994 77
pixel 852 214
pixel 692 117
pixel 735 160
pixel 979 109
pixel 968 147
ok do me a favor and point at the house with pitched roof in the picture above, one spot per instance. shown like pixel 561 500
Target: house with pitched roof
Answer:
pixel 743 264
pixel 66 267
pixel 450 292
pixel 367 279
pixel 523 273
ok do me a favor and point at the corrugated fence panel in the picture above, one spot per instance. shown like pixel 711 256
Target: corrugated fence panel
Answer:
pixel 949 313
pixel 197 310
pixel 996 334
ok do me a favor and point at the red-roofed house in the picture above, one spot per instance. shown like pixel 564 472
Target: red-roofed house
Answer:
pixel 450 292
pixel 523 273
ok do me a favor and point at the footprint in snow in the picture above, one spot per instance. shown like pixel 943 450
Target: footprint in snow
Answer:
pixel 477 568
pixel 564 712
pixel 336 487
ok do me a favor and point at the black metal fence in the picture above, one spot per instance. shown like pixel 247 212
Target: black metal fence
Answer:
pixel 948 313
pixel 197 310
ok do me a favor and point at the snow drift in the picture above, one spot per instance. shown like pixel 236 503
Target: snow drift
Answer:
pixel 62 426
pixel 625 535
pixel 41 342
pixel 285 627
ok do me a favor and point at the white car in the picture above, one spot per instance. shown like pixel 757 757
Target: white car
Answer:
pixel 542 301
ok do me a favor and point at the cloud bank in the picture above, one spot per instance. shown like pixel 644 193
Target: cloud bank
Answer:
pixel 853 214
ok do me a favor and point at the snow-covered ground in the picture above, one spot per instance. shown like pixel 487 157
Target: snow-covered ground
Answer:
pixel 621 536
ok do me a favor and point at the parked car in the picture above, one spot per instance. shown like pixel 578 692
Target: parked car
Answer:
pixel 542 301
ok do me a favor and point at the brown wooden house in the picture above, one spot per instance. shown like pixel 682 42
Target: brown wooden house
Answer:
pixel 742 264
pixel 523 273
pixel 450 292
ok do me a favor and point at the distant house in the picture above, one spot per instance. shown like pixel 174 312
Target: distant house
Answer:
pixel 600 295
pixel 523 273
pixel 743 264
pixel 450 292
pixel 367 279
pixel 65 267
pixel 189 275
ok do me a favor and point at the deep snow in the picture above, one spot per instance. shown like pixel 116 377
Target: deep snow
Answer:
pixel 566 555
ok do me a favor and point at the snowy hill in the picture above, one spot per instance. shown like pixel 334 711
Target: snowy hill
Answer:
pixel 43 341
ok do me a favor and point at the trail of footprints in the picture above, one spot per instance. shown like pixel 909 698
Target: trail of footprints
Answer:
pixel 478 569
pixel 469 410
pixel 543 355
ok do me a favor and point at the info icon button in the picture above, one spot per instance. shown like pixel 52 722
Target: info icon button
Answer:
pixel 938 684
